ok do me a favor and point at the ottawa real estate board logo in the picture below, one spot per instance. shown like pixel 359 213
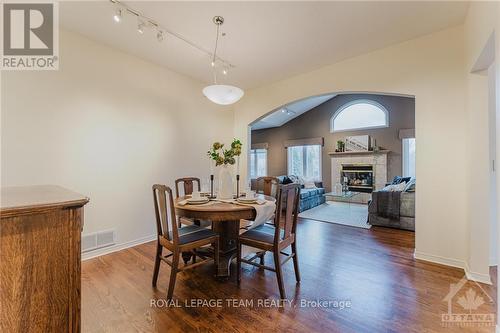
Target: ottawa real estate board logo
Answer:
pixel 30 35
pixel 469 305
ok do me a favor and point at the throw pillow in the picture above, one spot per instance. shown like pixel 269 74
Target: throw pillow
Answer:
pixel 394 188
pixel 387 188
pixel 287 180
pixel 405 179
pixel 396 180
pixel 399 187
pixel 411 186
pixel 309 184
pixel 281 179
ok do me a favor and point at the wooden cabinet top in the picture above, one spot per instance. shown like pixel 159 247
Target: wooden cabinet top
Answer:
pixel 25 199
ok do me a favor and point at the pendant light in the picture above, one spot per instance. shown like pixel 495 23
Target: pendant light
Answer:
pixel 220 93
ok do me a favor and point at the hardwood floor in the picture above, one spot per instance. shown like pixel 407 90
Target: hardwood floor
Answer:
pixel 373 269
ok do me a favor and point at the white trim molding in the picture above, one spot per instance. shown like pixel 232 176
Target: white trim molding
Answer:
pixel 117 247
pixel 439 260
pixel 320 141
pixel 355 102
pixel 473 276
pixel 263 145
pixel 478 277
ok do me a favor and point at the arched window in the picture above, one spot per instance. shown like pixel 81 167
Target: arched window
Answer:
pixel 359 114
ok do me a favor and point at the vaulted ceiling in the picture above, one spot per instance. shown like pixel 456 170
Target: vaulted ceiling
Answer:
pixel 266 41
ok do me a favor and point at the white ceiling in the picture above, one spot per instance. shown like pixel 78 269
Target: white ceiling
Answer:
pixel 290 111
pixel 266 41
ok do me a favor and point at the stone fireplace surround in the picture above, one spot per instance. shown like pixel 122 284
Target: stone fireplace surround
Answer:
pixel 377 159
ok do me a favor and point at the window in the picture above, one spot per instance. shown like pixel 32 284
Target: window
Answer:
pixel 409 157
pixel 258 163
pixel 305 161
pixel 359 114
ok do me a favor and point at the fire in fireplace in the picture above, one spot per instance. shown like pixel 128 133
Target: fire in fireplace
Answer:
pixel 358 177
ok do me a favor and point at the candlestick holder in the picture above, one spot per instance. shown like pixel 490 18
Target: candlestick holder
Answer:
pixel 212 187
pixel 237 186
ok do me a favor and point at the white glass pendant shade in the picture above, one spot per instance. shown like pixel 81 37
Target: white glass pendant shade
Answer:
pixel 223 94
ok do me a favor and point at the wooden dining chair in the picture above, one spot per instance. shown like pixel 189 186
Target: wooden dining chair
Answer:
pixel 267 186
pixel 277 237
pixel 188 185
pixel 178 240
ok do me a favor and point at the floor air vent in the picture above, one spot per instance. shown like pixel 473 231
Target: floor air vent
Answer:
pixel 98 240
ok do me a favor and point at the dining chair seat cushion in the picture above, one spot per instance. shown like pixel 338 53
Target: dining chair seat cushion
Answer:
pixel 193 233
pixel 263 233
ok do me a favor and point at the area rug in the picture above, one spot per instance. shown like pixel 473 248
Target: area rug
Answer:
pixel 354 215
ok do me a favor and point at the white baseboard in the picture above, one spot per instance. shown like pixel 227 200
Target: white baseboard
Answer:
pixel 478 277
pixel 117 247
pixel 473 276
pixel 439 260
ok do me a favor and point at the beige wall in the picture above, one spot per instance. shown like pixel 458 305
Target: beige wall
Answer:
pixel 431 69
pixel 479 26
pixel 316 123
pixel 107 125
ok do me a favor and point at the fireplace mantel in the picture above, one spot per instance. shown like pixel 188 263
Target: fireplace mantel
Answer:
pixel 346 153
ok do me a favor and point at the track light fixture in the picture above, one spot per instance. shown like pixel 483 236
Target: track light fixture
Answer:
pixel 121 11
pixel 118 15
pixel 140 27
pixel 160 36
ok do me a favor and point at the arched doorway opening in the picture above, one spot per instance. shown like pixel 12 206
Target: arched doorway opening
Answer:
pixel 343 142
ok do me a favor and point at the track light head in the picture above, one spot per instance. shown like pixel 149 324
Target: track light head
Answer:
pixel 160 36
pixel 117 17
pixel 224 71
pixel 212 64
pixel 140 27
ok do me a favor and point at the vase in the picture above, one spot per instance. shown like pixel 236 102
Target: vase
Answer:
pixel 225 183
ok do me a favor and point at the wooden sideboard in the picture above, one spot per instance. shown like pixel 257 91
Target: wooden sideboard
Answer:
pixel 40 236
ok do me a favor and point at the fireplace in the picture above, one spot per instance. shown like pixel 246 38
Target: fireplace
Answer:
pixel 358 177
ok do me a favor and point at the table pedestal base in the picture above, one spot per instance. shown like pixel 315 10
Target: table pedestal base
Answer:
pixel 228 236
pixel 228 232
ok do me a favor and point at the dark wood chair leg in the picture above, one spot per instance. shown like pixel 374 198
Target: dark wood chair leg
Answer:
pixel 173 275
pixel 156 270
pixel 216 255
pixel 238 264
pixel 279 274
pixel 295 262
pixel 261 256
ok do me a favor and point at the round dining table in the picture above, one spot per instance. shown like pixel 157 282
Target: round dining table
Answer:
pixel 225 218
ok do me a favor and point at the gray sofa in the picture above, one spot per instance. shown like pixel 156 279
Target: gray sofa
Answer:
pixel 382 210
